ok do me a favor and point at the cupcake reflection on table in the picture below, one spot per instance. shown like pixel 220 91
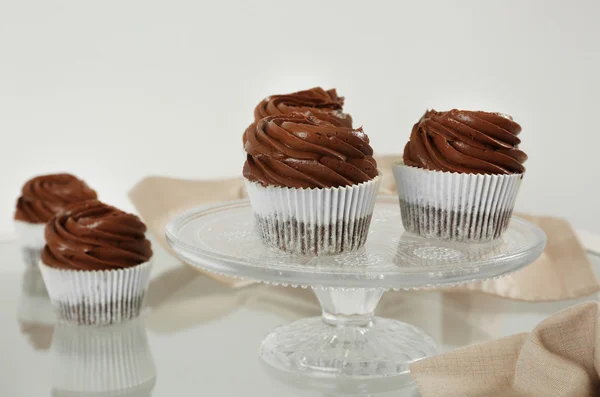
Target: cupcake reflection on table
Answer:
pixel 460 175
pixel 111 361
pixel 34 310
pixel 96 264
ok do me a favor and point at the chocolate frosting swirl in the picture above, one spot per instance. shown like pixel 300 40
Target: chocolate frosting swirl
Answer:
pixel 91 235
pixel 472 142
pixel 45 196
pixel 324 105
pixel 301 151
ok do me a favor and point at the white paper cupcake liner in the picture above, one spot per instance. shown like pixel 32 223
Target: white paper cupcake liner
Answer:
pixel 313 221
pixel 30 237
pixel 455 206
pixel 100 297
pixel 102 361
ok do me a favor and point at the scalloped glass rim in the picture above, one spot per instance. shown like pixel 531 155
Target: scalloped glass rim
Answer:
pixel 220 238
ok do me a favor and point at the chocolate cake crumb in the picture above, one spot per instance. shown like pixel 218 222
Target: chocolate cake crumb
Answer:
pixel 433 222
pixel 304 239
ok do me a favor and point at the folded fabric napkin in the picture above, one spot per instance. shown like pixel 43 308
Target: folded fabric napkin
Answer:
pixel 560 358
pixel 562 272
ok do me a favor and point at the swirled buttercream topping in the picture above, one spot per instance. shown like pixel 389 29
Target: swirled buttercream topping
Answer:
pixel 463 141
pixel 300 151
pixel 91 235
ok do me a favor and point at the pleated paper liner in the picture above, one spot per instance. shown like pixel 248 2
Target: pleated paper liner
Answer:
pixel 102 361
pixel 323 221
pixel 455 206
pixel 100 297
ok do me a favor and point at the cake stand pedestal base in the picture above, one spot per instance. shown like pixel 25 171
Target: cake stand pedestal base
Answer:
pixel 347 340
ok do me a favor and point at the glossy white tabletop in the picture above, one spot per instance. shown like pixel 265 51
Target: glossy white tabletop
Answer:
pixel 204 336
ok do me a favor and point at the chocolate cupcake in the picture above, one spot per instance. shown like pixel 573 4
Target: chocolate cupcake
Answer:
pixel 312 185
pixel 460 175
pixel 41 198
pixel 324 105
pixel 96 264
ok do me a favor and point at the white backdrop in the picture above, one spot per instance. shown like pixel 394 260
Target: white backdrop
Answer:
pixel 114 91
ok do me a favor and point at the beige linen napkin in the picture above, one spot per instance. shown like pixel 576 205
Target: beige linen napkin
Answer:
pixel 560 358
pixel 562 272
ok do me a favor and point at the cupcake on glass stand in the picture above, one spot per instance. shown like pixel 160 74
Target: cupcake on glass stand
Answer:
pixel 460 175
pixel 312 185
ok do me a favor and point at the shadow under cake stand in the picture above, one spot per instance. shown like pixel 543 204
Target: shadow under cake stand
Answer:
pixel 348 340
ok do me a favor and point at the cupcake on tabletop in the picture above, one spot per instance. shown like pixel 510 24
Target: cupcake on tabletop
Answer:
pixel 96 264
pixel 460 175
pixel 41 198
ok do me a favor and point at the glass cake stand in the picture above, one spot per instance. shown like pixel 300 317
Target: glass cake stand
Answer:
pixel 348 340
